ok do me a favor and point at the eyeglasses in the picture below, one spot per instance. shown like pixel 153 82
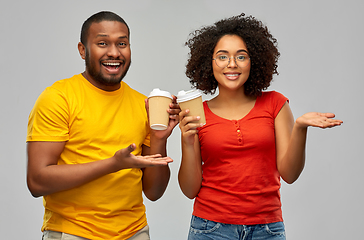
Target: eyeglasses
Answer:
pixel 223 61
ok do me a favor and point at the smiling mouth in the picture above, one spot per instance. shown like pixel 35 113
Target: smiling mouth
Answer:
pixel 112 65
pixel 232 76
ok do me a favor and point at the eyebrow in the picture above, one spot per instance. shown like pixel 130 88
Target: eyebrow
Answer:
pixel 105 35
pixel 239 51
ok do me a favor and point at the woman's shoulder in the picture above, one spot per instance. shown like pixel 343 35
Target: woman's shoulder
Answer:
pixel 273 95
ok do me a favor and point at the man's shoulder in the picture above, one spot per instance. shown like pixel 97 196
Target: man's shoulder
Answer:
pixel 67 82
pixel 131 91
pixel 60 89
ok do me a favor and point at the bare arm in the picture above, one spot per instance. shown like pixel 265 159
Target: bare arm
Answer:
pixel 155 179
pixel 190 172
pixel 291 139
pixel 44 176
pixel 290 145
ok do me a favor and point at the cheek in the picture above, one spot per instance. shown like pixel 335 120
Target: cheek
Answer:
pixel 127 54
pixel 96 53
pixel 215 70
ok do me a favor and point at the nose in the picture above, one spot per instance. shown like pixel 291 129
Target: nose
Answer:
pixel 113 51
pixel 232 62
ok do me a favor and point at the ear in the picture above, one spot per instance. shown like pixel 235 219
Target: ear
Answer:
pixel 82 50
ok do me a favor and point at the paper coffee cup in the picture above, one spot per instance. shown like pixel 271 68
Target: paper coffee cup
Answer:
pixel 158 104
pixel 192 100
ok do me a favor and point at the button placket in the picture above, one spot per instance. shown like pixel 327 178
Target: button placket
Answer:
pixel 238 132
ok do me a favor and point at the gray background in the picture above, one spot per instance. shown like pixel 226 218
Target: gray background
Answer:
pixel 321 69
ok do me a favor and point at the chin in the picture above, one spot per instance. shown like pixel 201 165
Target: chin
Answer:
pixel 110 80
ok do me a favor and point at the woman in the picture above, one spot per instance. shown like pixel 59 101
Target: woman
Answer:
pixel 232 165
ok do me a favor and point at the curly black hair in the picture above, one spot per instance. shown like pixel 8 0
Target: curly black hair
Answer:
pixel 261 45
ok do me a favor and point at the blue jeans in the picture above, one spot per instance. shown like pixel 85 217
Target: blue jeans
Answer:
pixel 202 229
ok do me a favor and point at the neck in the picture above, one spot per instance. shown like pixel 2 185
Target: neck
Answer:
pixel 104 87
pixel 232 98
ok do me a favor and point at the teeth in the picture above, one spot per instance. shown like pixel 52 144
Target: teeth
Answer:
pixel 232 75
pixel 112 64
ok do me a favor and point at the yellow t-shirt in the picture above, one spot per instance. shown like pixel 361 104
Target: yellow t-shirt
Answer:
pixel 94 124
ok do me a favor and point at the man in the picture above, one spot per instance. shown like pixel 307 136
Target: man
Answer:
pixel 90 150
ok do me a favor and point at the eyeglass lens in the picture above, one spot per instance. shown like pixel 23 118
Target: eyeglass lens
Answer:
pixel 240 60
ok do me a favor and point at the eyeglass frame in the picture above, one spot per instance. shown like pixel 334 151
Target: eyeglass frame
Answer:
pixel 236 62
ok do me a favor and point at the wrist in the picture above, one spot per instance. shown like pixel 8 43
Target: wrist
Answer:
pixel 300 124
pixel 158 135
pixel 158 142
pixel 299 127
pixel 113 164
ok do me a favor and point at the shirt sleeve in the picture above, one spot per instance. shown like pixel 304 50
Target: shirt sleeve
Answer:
pixel 278 100
pixel 48 120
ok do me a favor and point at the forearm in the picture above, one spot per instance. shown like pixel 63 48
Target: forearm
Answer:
pixel 293 162
pixel 155 179
pixel 56 178
pixel 190 173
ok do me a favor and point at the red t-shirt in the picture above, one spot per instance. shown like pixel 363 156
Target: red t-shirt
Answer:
pixel 240 178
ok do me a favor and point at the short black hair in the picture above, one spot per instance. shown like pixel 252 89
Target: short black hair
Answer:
pixel 261 45
pixel 99 17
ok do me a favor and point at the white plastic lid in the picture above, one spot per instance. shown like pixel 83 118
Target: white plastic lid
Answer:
pixel 160 93
pixel 184 96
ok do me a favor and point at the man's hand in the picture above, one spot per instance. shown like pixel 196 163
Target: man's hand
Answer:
pixel 173 111
pixel 125 159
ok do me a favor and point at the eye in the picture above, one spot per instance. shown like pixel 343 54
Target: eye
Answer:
pixel 101 44
pixel 123 44
pixel 222 58
pixel 241 58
